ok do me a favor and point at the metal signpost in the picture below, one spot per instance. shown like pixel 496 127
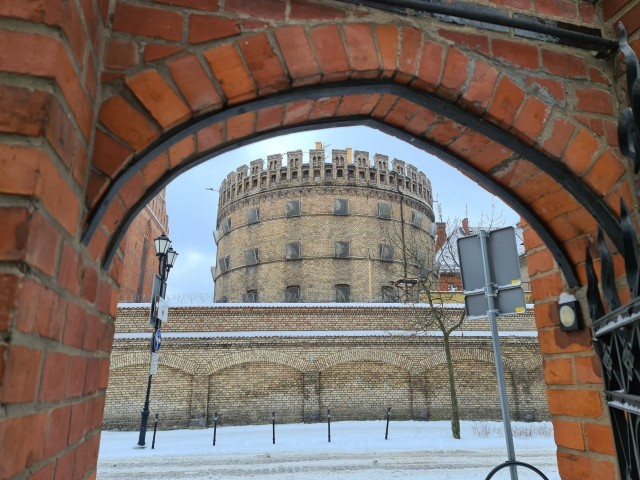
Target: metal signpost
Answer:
pixel 158 313
pixel 491 282
pixel 155 292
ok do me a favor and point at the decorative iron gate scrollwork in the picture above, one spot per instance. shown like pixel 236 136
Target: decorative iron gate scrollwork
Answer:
pixel 629 122
pixel 617 333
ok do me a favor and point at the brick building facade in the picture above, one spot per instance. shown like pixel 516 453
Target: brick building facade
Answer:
pixel 321 231
pixel 246 362
pixel 139 253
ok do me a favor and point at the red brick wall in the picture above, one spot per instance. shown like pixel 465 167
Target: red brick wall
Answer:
pixel 87 85
pixel 139 261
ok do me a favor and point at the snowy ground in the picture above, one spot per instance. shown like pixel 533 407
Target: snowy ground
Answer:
pixel 358 451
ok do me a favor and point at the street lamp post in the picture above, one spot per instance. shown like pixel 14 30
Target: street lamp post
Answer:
pixel 166 258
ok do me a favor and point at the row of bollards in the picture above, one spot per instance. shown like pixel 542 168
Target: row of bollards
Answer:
pixel 155 429
pixel 511 464
pixel 273 426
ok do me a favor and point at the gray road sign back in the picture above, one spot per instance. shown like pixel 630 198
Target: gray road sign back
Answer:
pixel 503 259
pixel 504 272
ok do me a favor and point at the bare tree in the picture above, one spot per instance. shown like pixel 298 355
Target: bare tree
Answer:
pixel 430 274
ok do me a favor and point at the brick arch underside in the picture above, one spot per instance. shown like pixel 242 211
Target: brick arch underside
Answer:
pixel 503 125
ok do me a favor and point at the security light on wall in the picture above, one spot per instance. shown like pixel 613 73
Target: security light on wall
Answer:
pixel 569 312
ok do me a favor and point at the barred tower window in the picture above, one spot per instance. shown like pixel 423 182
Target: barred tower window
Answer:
pixel 253 215
pixel 343 293
pixel 386 252
pixel 292 251
pixel 388 294
pixel 226 225
pixel 416 219
pixel 224 264
pixel 341 249
pixel 384 210
pixel 292 208
pixel 250 297
pixel 292 294
pixel 340 206
pixel 251 257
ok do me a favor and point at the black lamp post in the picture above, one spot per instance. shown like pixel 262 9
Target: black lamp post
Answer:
pixel 166 258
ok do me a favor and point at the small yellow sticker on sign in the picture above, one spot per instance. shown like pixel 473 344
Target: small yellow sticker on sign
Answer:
pixel 520 309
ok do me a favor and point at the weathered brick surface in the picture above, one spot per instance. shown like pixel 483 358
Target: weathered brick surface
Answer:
pixel 317 229
pixel 245 377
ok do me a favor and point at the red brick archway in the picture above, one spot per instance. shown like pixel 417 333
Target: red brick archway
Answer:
pixel 105 102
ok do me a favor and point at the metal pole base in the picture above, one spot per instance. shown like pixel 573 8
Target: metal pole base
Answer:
pixel 144 417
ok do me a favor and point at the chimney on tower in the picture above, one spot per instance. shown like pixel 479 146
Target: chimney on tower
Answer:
pixel 465 226
pixel 441 234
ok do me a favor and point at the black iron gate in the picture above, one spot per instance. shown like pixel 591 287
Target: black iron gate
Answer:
pixel 616 334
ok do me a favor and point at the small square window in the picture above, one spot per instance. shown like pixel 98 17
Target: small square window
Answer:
pixel 340 206
pixel 224 264
pixel 384 210
pixel 292 294
pixel 251 257
pixel 226 225
pixel 386 252
pixel 292 208
pixel 292 251
pixel 250 297
pixel 343 293
pixel 416 219
pixel 253 215
pixel 452 287
pixel 422 261
pixel 388 295
pixel 341 249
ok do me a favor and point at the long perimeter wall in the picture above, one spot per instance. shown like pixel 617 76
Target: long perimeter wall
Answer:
pixel 245 362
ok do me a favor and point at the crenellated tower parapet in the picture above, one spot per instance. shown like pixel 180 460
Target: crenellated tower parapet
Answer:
pixel 342 168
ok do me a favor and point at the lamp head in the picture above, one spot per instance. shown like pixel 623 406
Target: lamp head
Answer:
pixel 162 244
pixel 171 257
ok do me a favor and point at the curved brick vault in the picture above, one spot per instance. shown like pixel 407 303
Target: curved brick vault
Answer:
pixel 104 102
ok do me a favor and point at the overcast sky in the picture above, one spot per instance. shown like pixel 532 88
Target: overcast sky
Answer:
pixel 192 208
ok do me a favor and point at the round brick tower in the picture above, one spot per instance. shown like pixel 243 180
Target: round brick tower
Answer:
pixel 320 231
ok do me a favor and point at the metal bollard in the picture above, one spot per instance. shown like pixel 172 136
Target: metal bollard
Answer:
pixel 155 428
pixel 329 423
pixel 273 421
pixel 386 432
pixel 215 426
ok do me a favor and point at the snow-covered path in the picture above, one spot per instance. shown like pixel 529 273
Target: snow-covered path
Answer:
pixel 358 451
pixel 454 465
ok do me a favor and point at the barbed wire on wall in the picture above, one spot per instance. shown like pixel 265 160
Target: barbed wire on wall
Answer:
pixel 173 298
pixel 185 299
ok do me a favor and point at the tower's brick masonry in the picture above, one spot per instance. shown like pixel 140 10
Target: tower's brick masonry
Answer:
pixel 314 226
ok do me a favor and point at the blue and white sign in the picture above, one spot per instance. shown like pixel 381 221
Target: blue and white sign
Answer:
pixel 161 309
pixel 157 337
pixel 153 368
